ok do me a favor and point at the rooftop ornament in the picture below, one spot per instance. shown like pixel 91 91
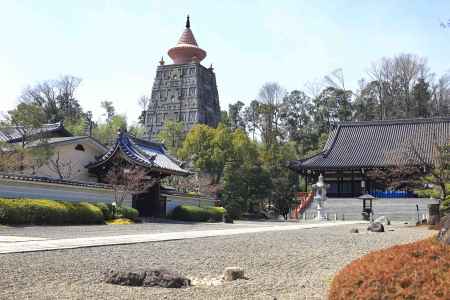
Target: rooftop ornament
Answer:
pixel 187 50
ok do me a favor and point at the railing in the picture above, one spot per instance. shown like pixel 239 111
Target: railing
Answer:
pixel 305 200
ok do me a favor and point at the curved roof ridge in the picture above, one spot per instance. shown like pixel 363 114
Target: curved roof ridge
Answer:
pixel 334 136
pixel 145 142
pixel 396 121
pixel 161 147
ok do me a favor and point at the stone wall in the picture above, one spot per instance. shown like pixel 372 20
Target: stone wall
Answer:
pixel 183 92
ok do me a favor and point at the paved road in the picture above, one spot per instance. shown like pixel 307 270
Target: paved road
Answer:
pixel 14 245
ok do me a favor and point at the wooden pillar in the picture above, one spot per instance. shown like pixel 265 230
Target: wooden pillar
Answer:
pixel 353 184
pixel 306 182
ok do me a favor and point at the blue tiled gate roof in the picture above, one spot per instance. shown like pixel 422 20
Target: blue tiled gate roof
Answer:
pixel 144 153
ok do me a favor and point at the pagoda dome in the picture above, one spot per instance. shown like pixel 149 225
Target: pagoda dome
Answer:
pixel 187 50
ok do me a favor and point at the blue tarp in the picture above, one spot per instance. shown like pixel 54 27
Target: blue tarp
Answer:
pixel 392 194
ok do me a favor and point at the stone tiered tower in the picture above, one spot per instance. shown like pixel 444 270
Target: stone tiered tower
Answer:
pixel 184 91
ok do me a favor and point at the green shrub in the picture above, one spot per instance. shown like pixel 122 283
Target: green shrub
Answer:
pixel 48 212
pixel 427 193
pixel 216 213
pixel 445 205
pixel 28 211
pixel 105 208
pixel 84 213
pixel 128 212
pixel 197 214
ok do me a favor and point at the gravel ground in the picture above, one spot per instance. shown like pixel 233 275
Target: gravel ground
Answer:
pixel 296 264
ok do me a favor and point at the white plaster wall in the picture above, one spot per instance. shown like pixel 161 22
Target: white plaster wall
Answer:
pixel 77 160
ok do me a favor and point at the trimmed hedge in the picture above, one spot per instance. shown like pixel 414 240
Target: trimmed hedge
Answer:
pixel 216 213
pixel 105 208
pixel 48 212
pixel 128 212
pixel 198 214
pixel 419 270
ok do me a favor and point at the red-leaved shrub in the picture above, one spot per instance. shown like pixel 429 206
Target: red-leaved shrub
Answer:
pixel 419 270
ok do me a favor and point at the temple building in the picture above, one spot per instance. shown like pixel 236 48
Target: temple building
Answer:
pixel 184 91
pixel 355 148
pixel 69 154
pixel 129 151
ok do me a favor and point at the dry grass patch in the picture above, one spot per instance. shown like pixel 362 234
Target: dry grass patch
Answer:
pixel 419 270
pixel 120 221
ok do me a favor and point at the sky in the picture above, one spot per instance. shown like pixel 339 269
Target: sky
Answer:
pixel 115 46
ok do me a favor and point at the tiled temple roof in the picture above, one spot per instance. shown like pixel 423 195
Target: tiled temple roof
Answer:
pixel 377 144
pixel 14 134
pixel 144 153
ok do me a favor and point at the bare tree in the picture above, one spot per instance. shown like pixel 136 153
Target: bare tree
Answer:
pixel 61 167
pixel 396 78
pixel 381 72
pixel 400 176
pixel 314 88
pixel 9 158
pixel 109 108
pixel 198 183
pixel 416 164
pixel 438 165
pixel 271 97
pixel 126 180
pixel 335 79
pixel 144 102
pixel 440 96
pixel 252 118
pixel 55 97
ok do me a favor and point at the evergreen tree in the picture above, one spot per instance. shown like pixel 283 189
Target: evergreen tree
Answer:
pixel 172 135
pixel 422 99
pixel 366 106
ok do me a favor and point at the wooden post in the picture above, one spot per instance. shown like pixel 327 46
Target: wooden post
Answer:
pixel 353 184
pixel 306 182
pixel 433 213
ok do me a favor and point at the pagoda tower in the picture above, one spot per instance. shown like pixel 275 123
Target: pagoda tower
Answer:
pixel 184 91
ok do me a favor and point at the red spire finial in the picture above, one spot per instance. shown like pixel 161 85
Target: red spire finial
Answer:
pixel 187 49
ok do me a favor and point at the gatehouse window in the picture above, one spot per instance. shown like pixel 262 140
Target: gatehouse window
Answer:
pixel 79 147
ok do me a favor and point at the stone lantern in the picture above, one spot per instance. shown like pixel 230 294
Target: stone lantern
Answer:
pixel 367 211
pixel 320 191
